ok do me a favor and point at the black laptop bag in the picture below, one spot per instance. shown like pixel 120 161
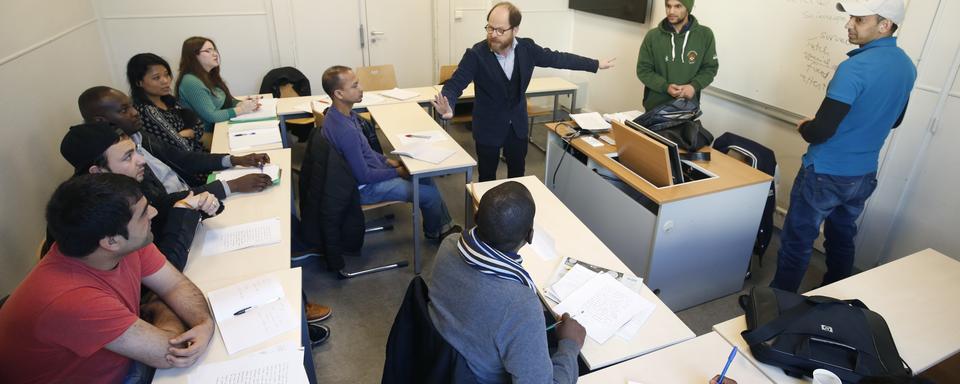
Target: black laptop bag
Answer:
pixel 799 334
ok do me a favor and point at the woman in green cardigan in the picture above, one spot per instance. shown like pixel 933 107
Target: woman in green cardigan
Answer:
pixel 200 87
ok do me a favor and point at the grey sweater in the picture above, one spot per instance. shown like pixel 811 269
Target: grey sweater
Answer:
pixel 496 324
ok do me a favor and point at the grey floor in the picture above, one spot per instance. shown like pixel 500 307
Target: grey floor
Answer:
pixel 364 307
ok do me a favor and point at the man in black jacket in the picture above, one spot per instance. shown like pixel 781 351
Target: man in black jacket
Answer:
pixel 104 148
pixel 501 67
pixel 176 169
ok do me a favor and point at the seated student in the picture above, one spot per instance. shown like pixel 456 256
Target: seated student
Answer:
pixel 104 148
pixel 485 304
pixel 151 91
pixel 200 87
pixel 75 317
pixel 380 178
pixel 177 169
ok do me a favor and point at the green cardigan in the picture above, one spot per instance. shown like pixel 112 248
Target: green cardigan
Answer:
pixel 207 104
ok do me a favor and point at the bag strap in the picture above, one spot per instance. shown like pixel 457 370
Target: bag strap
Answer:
pixel 778 325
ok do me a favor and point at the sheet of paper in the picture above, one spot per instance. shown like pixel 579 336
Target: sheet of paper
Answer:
pixel 271 170
pixel 422 137
pixel 371 98
pixel 220 240
pixel 256 325
pixel 621 116
pixel 268 110
pixel 253 134
pixel 320 104
pixel 399 94
pixel 425 152
pixel 272 368
pixel 590 121
pixel 575 278
pixel 543 243
pixel 602 306
pixel 251 312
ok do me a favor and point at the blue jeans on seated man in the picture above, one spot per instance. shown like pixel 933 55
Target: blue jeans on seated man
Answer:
pixel 817 198
pixel 436 218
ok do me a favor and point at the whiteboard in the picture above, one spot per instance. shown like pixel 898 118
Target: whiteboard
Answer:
pixel 781 53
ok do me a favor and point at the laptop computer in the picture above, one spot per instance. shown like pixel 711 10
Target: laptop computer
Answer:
pixel 649 155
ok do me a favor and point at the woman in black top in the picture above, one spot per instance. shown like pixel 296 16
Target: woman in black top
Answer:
pixel 151 90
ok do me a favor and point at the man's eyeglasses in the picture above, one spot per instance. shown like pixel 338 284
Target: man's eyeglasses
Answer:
pixel 496 31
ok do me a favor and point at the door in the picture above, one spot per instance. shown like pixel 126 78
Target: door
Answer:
pixel 401 33
pixel 323 41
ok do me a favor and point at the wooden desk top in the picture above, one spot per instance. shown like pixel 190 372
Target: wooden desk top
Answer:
pixel 731 173
pixel 290 279
pixel 573 238
pixel 400 119
pixel 916 295
pixel 690 362
pixel 274 202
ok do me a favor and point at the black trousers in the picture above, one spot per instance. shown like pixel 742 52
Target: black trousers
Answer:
pixel 514 150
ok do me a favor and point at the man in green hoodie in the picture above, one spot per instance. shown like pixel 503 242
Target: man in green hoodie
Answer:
pixel 678 58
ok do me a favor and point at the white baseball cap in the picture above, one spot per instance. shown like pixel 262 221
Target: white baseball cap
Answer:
pixel 888 9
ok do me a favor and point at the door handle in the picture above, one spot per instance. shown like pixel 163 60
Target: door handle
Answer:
pixel 377 33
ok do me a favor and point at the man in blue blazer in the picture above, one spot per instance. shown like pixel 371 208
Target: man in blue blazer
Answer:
pixel 501 67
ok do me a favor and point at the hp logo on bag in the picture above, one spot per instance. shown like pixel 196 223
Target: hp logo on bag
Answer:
pixel 826 328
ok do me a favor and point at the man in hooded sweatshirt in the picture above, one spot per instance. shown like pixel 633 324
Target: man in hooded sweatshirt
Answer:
pixel 678 58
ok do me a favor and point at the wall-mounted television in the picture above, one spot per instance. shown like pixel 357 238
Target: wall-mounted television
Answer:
pixel 631 10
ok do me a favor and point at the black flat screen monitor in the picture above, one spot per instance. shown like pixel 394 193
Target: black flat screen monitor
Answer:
pixel 676 168
pixel 630 10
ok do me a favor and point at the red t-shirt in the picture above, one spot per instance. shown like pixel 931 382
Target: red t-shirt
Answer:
pixel 54 326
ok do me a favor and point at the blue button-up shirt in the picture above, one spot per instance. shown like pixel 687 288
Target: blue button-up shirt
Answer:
pixel 506 62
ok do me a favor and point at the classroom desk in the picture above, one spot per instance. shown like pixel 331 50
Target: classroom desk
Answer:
pixel 690 362
pixel 244 208
pixel 221 142
pixel 572 238
pixel 539 86
pixel 399 119
pixel 297 107
pixel 702 231
pixel 916 295
pixel 216 352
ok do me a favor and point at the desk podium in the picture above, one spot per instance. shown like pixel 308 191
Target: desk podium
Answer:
pixel 690 242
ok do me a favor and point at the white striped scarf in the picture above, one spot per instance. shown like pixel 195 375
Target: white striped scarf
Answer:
pixel 490 261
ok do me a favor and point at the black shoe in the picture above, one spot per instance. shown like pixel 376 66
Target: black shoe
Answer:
pixel 318 334
pixel 454 229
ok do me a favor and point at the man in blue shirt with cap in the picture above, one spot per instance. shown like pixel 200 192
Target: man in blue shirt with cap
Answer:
pixel 866 98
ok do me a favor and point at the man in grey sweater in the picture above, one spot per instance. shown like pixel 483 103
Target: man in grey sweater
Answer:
pixel 486 305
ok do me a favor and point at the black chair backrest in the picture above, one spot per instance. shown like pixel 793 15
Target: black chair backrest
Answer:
pixel 285 75
pixel 416 351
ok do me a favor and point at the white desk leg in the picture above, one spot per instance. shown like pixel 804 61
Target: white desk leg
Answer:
pixel 416 224
pixel 468 202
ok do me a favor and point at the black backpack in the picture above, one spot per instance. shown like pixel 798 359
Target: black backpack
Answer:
pixel 800 334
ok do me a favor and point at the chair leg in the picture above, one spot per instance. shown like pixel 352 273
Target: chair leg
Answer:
pixel 349 275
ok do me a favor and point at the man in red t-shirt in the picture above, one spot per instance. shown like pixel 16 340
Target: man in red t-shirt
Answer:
pixel 75 317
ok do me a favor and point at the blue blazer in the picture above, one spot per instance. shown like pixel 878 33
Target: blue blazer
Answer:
pixel 492 111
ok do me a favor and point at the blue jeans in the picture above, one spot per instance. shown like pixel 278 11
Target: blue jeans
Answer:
pixel 436 218
pixel 817 198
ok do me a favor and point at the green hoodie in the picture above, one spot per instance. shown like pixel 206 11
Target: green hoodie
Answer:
pixel 688 57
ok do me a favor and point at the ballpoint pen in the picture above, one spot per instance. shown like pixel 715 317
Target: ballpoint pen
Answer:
pixel 242 311
pixel 733 354
pixel 244 134
pixel 417 136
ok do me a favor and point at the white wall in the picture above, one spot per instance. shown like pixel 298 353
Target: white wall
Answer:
pixel 46 60
pixel 913 208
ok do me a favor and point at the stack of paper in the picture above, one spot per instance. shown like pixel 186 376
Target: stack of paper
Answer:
pixel 590 121
pixel 273 367
pixel 267 111
pixel 425 152
pixel 422 137
pixel 258 134
pixel 271 170
pixel 621 116
pixel 220 240
pixel 399 94
pixel 317 105
pixel 603 305
pixel 574 276
pixel 251 312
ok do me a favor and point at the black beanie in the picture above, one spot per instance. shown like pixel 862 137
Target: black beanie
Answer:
pixel 85 143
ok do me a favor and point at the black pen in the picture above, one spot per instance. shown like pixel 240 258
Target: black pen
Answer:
pixel 244 134
pixel 242 311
